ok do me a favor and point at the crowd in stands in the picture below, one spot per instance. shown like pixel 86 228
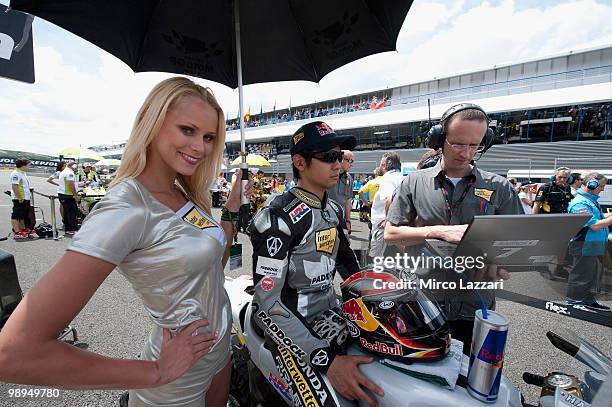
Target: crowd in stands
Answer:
pixel 308 112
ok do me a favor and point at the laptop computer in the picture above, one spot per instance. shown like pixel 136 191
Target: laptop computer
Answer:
pixel 514 240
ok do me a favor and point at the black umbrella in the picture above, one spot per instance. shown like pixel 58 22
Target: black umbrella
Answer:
pixel 226 41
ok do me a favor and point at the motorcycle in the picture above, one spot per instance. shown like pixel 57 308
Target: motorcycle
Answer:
pixel 256 380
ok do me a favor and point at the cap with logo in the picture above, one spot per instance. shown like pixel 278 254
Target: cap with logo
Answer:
pixel 318 136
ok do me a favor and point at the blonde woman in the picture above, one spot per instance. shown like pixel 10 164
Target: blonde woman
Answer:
pixel 167 245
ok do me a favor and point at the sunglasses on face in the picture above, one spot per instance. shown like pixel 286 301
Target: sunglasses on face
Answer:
pixel 330 156
pixel 349 160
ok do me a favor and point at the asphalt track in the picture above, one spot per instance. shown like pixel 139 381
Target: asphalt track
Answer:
pixel 115 324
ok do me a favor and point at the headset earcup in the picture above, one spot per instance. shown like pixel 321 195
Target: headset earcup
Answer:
pixel 435 137
pixel 489 138
pixel 592 185
pixel 552 178
pixel 570 180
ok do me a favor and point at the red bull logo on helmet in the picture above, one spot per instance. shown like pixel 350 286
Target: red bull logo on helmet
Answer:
pixel 353 310
pixel 382 347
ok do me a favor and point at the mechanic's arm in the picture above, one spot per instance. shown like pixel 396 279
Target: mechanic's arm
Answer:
pixel 411 235
pixel 594 223
pixel 401 216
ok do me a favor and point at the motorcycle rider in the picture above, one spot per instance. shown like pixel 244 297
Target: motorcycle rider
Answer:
pixel 298 243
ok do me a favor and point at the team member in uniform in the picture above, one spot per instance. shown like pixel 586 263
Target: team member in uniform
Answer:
pixel 439 203
pixel 589 243
pixel 298 243
pixel 21 196
pixel 88 175
pixel 367 193
pixel 67 195
pixel 342 192
pixel 165 242
pixel 58 170
pixel 554 196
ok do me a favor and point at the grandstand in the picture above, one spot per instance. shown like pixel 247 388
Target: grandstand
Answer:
pixel 543 111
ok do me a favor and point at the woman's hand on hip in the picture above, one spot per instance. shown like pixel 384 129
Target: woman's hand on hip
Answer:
pixel 179 353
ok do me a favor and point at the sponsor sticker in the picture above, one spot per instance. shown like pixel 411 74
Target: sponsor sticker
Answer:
pixel 279 386
pixel 483 193
pixel 382 347
pixel 353 330
pixel 309 200
pixel 267 284
pixel 195 218
pixel 303 388
pixel 324 129
pixel 551 306
pixel 321 358
pixel 279 336
pixel 386 304
pixel 353 310
pixel 325 240
pixel 298 137
pixel 299 212
pixel 269 267
pixel 274 244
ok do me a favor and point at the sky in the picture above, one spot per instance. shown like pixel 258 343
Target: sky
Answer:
pixel 85 96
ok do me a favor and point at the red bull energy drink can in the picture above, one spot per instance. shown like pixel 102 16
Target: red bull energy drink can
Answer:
pixel 487 356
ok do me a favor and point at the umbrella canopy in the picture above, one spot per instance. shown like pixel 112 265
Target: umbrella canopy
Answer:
pixel 108 162
pixel 255 160
pixel 80 153
pixel 281 40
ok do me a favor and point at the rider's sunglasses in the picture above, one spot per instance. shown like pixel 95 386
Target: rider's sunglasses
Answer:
pixel 330 156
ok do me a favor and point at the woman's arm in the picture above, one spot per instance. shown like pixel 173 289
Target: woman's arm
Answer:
pixel 30 352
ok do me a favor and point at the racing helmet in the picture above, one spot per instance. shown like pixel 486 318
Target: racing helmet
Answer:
pixel 390 317
pixel 44 230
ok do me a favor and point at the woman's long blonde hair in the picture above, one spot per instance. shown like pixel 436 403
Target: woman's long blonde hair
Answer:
pixel 163 98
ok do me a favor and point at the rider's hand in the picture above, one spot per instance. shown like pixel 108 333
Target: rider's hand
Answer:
pixel 347 380
pixel 178 354
pixel 233 201
pixel 450 233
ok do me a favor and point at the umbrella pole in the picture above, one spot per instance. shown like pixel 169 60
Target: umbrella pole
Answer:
pixel 244 200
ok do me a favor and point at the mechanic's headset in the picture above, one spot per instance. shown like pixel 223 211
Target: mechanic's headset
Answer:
pixel 436 134
pixel 594 183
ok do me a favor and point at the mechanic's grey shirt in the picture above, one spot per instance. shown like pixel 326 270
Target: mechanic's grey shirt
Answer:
pixel 343 189
pixel 419 201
